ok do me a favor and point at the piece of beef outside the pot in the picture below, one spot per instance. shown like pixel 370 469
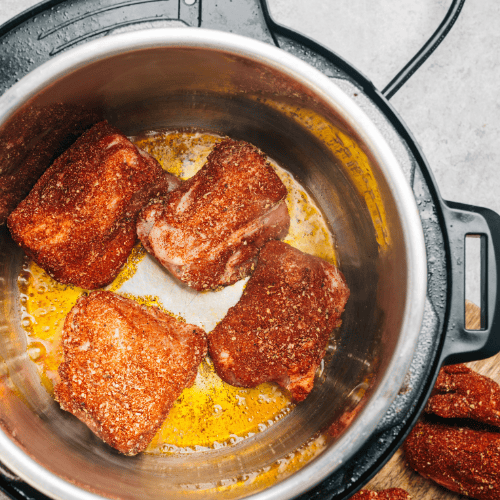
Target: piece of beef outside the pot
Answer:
pixel 29 145
pixel 279 329
pixel 79 221
pixel 124 366
pixel 208 232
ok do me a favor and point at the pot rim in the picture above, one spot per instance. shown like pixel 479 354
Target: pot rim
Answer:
pixel 322 86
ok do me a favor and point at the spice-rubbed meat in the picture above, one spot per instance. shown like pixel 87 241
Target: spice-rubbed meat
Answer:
pixel 209 231
pixel 124 366
pixel 460 392
pixel 79 221
pixel 279 329
pixel 462 460
pixel 31 142
pixel 389 494
pixel 460 455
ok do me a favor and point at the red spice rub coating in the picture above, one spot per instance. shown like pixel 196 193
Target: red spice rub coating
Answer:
pixel 279 329
pixel 29 144
pixel 462 393
pixel 346 418
pixel 124 366
pixel 389 494
pixel 79 221
pixel 208 232
pixel 463 460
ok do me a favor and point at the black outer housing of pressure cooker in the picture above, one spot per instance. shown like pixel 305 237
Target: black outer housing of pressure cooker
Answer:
pixel 32 38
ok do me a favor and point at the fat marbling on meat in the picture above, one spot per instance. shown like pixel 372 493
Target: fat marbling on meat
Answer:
pixel 209 231
pixel 79 221
pixel 124 366
pixel 279 329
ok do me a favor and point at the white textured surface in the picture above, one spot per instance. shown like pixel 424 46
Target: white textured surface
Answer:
pixel 452 104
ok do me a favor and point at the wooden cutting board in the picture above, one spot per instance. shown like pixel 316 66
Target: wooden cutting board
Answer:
pixel 396 474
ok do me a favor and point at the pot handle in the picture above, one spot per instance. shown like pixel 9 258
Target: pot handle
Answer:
pixel 463 345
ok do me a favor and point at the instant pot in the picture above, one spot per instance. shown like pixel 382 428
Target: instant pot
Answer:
pixel 224 65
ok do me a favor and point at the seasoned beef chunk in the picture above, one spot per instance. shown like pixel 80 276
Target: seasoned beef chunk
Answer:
pixel 460 450
pixel 30 143
pixel 79 221
pixel 460 392
pixel 460 459
pixel 209 231
pixel 124 366
pixel 279 330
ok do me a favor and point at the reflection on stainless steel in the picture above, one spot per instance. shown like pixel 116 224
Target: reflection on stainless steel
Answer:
pixel 251 91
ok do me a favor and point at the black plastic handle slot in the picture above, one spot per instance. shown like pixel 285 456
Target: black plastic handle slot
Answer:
pixel 461 344
pixel 475 274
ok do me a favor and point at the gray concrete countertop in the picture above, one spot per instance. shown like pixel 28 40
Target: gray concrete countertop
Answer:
pixel 452 104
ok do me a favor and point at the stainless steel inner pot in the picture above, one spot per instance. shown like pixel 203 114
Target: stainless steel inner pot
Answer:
pixel 168 78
